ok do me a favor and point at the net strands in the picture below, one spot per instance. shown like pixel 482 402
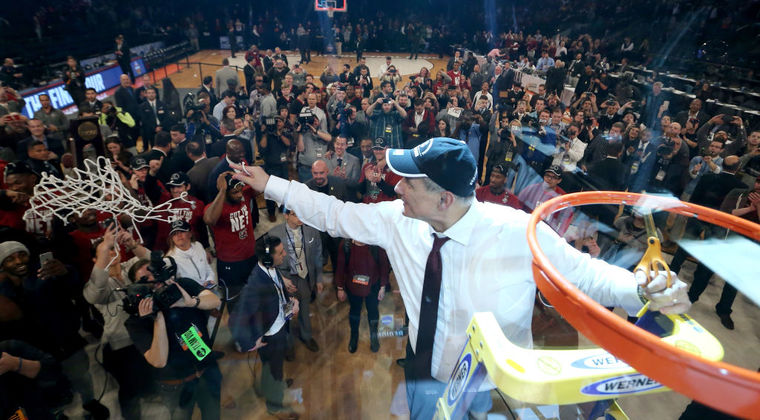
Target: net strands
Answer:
pixel 97 187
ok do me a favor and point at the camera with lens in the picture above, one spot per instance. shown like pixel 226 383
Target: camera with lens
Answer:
pixel 191 103
pixel 306 118
pixel 164 296
pixel 666 147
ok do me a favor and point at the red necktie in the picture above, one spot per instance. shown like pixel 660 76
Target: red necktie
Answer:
pixel 431 290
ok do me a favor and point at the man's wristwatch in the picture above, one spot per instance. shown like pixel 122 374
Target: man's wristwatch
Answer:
pixel 642 296
pixel 197 301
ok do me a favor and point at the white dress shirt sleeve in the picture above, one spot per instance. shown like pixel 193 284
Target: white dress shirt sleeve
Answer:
pixel 605 283
pixel 363 222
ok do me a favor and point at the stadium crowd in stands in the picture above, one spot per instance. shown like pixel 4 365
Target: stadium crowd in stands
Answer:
pixel 329 131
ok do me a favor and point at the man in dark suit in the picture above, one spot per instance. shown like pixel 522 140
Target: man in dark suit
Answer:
pixel 335 187
pixel 123 56
pixel 154 117
pixel 162 149
pixel 202 167
pixel 250 70
pixel 608 173
pixel 126 99
pixel 261 322
pixel 694 114
pixel 502 83
pixel 710 192
pixel 37 130
pixel 278 55
pixel 179 162
pixel 302 268
pixel 208 87
pixel 142 90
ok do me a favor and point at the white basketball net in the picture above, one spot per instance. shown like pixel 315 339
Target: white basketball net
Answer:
pixel 96 187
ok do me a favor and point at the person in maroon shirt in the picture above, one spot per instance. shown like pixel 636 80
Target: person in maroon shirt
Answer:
pixel 232 216
pixel 496 191
pixel 190 210
pixel 361 276
pixel 18 187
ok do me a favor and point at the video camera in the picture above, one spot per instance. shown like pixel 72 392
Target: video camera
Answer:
pixel 306 118
pixel 191 103
pixel 164 296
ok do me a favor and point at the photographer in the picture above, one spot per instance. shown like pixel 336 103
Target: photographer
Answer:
pixel 569 150
pixel 313 143
pixel 120 357
pixel 670 165
pixel 274 148
pixel 502 148
pixel 709 162
pixel 726 128
pixel 116 121
pixel 391 76
pixel 201 125
pixel 168 326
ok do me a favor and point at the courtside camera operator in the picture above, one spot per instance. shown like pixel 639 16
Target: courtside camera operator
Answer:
pixel 168 326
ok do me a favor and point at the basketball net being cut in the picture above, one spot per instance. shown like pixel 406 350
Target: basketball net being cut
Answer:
pixel 97 187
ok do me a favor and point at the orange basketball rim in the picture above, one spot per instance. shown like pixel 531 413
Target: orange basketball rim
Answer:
pixel 726 387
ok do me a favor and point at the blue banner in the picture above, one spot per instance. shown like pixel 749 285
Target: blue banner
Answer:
pixel 101 80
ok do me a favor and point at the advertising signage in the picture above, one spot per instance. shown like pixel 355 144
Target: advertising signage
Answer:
pixel 101 80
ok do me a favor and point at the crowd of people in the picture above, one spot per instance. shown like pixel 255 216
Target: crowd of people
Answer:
pixel 330 132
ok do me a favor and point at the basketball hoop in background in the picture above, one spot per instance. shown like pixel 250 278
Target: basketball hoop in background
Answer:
pixel 330 6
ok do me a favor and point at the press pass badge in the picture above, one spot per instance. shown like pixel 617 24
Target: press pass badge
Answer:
pixel 361 279
pixel 194 343
pixel 660 175
pixel 287 309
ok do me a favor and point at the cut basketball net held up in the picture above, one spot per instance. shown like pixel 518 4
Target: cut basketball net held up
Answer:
pixel 96 187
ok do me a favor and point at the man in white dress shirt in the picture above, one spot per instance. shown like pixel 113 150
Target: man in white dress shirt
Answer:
pixel 437 206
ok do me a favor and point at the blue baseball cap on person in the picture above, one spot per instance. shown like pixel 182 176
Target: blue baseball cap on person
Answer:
pixel 448 162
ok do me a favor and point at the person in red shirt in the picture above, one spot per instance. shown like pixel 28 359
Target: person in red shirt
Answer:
pixel 14 198
pixel 377 181
pixel 232 216
pixel 458 78
pixel 361 276
pixel 496 191
pixel 190 210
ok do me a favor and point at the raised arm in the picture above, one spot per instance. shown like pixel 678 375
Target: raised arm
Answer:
pixel 368 223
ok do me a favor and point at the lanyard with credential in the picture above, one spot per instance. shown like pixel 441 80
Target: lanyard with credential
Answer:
pixel 292 243
pixel 280 293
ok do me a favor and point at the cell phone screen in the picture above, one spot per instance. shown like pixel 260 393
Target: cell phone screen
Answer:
pixel 45 257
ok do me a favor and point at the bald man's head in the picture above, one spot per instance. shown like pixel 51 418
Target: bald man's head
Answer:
pixel 235 151
pixel 731 163
pixel 319 172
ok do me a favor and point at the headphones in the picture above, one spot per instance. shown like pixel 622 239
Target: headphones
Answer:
pixel 267 260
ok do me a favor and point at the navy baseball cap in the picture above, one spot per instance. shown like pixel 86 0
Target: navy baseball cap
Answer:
pixel 448 162
pixel 179 226
pixel 138 162
pixel 178 179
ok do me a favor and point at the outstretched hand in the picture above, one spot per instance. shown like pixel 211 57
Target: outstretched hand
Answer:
pixel 254 176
